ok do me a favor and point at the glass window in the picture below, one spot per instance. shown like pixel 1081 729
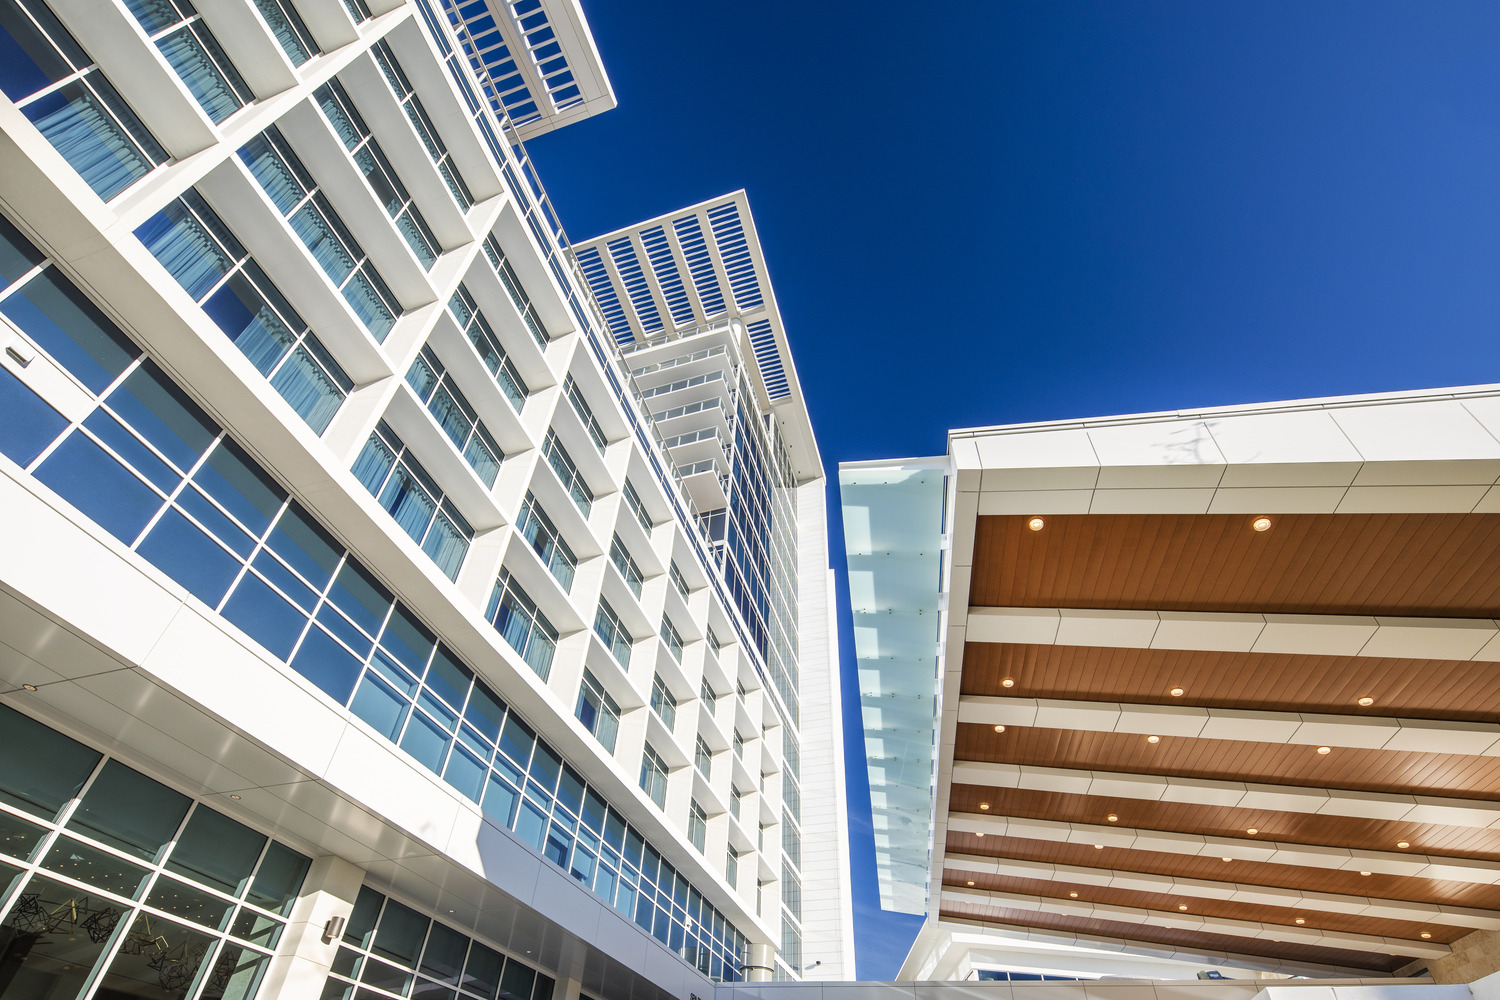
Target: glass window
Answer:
pixel 192 242
pixel 703 757
pixel 194 53
pixel 517 291
pixel 678 580
pixel 292 190
pixel 633 501
pixel 127 810
pixel 430 380
pixel 598 712
pixel 378 172
pixel 286 24
pixel 60 952
pixel 395 76
pixel 710 700
pixel 585 413
pixel 654 777
pixel 662 702
pixel 612 631
pixel 567 472
pixel 410 495
pixel 671 639
pixel 537 528
pixel 619 556
pixel 526 629
pixel 697 826
pixel 475 327
pixel 55 84
pixel 217 851
pixel 40 768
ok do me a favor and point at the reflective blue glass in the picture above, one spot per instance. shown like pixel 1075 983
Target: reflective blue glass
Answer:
pixel 383 709
pixel 194 53
pixel 177 547
pixel 327 664
pixel 84 475
pixel 82 128
pixel 63 322
pixel 265 616
pixel 186 249
pixel 29 425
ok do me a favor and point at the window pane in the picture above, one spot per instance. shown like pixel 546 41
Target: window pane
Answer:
pixel 265 616
pixel 95 868
pixel 125 809
pixel 100 487
pixel 180 549
pixel 28 62
pixel 400 934
pixel 188 51
pixel 189 903
pixel 64 323
pixel 158 958
pixel 40 768
pixel 329 666
pixel 217 851
pixel 236 974
pixel 238 482
pixel 279 879
pixel 444 956
pixel 59 954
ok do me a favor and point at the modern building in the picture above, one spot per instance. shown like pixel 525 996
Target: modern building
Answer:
pixel 379 616
pixel 1207 691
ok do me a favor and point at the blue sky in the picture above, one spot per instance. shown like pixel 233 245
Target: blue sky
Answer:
pixel 989 212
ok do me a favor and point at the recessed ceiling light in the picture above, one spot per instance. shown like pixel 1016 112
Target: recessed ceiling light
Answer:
pixel 1364 873
pixel 1301 921
pixel 1325 750
pixel 1426 935
pixel 1072 895
pixel 1366 701
pixel 979 835
pixel 1403 844
pixel 1182 906
pixel 1252 831
pixel 235 797
pixel 1098 847
pixel 999 729
pixel 971 882
pixel 1036 524
pixel 984 805
pixel 28 687
pixel 1009 682
pixel 1261 523
pixel 1176 692
pixel 1153 739
pixel 1112 818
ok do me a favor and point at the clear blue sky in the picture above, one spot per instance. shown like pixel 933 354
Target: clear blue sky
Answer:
pixel 988 212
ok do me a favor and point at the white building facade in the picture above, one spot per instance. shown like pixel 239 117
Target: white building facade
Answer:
pixel 370 629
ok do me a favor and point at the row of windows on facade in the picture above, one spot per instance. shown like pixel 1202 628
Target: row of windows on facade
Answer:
pixel 176 899
pixel 308 376
pixel 153 469
pixel 107 875
pixel 198 249
pixel 73 105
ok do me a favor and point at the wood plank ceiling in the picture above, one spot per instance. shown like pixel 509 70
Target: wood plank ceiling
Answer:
pixel 1416 565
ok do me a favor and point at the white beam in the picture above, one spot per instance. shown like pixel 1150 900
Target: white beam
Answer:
pixel 1323 902
pixel 1301 728
pixel 1153 949
pixel 976 901
pixel 1241 849
pixel 1473 813
pixel 1317 635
